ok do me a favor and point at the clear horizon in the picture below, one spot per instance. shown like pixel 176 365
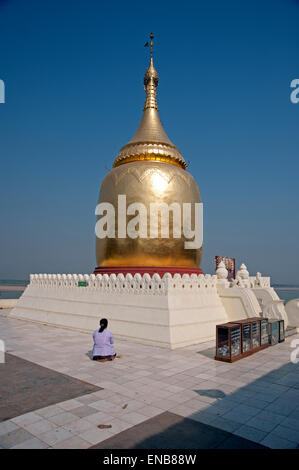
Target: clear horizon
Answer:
pixel 74 95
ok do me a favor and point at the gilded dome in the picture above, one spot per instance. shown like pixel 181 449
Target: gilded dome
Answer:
pixel 144 200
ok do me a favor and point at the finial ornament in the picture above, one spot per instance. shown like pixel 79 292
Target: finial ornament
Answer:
pixel 221 271
pixel 150 44
pixel 151 80
pixel 243 273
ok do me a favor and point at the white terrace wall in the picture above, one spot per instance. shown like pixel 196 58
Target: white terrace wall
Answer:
pixel 169 312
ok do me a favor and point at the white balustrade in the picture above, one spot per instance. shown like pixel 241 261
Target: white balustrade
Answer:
pixel 137 284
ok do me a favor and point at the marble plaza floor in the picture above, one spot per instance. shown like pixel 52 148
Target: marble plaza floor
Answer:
pixel 52 395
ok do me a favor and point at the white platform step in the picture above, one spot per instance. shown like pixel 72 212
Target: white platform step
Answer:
pixel 290 331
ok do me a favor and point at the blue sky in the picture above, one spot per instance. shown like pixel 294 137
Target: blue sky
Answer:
pixel 73 72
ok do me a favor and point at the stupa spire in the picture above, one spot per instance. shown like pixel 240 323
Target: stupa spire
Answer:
pixel 150 142
pixel 151 80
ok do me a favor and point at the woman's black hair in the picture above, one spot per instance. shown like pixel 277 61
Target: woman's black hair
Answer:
pixel 103 324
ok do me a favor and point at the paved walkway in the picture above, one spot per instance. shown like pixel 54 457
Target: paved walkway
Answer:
pixel 148 397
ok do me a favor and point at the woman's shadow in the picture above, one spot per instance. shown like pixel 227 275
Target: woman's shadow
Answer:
pixel 89 354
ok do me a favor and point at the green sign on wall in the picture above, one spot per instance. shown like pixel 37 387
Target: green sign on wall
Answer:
pixel 82 284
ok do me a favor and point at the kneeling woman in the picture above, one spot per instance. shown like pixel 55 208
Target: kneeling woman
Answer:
pixel 103 343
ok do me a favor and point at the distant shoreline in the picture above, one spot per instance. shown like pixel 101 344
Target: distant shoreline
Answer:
pixel 285 288
pixel 11 288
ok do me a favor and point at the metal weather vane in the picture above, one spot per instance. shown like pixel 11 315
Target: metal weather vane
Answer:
pixel 150 44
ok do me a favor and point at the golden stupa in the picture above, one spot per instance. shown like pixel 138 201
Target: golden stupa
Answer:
pixel 148 169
